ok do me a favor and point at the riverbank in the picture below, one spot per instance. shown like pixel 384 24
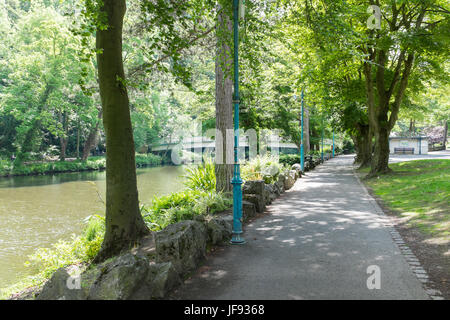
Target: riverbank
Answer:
pixel 198 218
pixel 38 210
pixel 8 169
pixel 81 249
pixel 198 199
pixel 415 195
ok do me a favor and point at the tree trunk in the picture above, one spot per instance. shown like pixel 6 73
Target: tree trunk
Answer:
pixel 224 104
pixel 363 144
pixel 124 223
pixel 64 138
pixel 383 113
pixel 445 134
pixel 63 144
pixel 412 126
pixel 92 139
pixel 78 139
pixel 380 159
pixel 306 142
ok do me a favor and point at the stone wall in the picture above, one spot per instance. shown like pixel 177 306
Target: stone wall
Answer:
pixel 164 258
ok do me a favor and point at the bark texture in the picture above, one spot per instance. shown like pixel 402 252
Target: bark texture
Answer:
pixel 124 223
pixel 224 104
pixel 364 146
pixel 385 93
pixel 306 142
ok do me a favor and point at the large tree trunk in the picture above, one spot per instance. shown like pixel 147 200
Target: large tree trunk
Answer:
pixel 380 159
pixel 224 104
pixel 389 90
pixel 124 223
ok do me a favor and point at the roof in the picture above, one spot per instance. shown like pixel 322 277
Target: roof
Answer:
pixel 414 138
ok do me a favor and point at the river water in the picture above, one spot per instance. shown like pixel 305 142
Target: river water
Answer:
pixel 37 211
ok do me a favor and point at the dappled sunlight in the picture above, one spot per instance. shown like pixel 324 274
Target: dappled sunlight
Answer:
pixel 315 233
pixel 214 275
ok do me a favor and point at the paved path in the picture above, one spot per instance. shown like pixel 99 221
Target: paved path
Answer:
pixel 316 243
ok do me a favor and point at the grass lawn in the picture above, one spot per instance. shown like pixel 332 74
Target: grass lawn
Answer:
pixel 419 193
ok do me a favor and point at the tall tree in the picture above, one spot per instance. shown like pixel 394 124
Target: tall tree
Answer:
pixel 124 223
pixel 224 100
pixel 408 40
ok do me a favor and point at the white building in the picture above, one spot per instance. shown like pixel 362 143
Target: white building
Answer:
pixel 408 145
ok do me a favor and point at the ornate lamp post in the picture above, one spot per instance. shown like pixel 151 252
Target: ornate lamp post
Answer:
pixel 238 8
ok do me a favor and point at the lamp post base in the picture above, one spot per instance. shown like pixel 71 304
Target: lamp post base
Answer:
pixel 237 239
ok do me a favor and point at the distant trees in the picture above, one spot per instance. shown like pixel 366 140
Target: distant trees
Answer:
pixel 40 89
pixel 393 60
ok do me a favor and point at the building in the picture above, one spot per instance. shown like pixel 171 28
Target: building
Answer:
pixel 408 145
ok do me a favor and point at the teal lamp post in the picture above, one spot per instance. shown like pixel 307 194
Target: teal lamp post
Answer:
pixel 322 138
pixel 238 8
pixel 302 155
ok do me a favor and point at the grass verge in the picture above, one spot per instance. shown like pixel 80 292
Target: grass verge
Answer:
pixel 417 197
pixel 419 193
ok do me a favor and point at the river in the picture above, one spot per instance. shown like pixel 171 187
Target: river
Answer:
pixel 37 211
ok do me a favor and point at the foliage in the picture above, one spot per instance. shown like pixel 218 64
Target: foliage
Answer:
pixel 202 176
pixel 183 205
pixel 80 250
pixel 144 160
pixel 7 168
pixel 348 146
pixel 289 159
pixel 265 168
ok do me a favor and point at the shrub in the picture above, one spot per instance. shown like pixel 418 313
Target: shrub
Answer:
pixel 289 159
pixel 348 147
pixel 144 160
pixel 79 249
pixel 183 205
pixel 201 177
pixel 92 163
pixel 265 168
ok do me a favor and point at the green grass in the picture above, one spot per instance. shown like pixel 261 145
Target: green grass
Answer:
pixel 419 192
